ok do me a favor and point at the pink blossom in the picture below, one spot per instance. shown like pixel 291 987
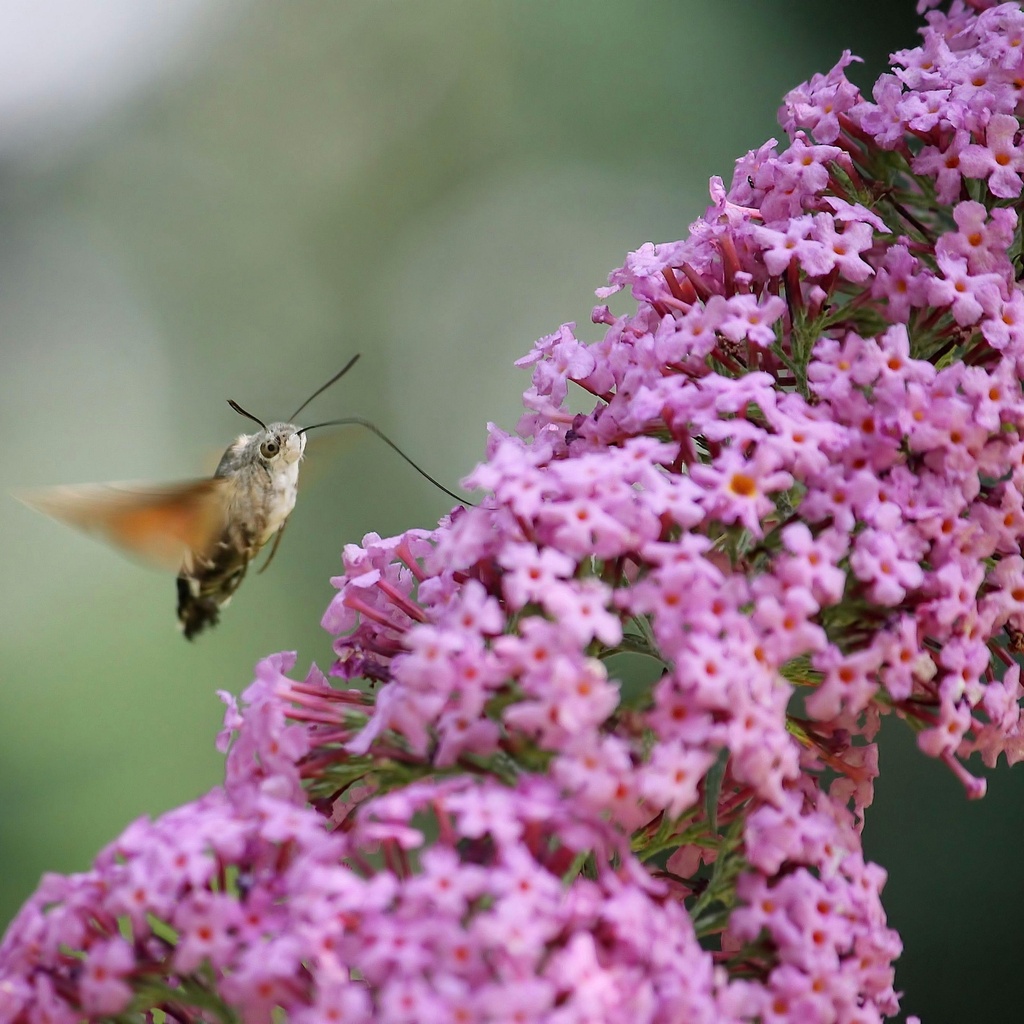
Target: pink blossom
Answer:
pixel 982 238
pixel 969 295
pixel 103 986
pixel 902 282
pixel 737 489
pixel 999 159
pixel 945 165
pixel 815 106
pixel 887 563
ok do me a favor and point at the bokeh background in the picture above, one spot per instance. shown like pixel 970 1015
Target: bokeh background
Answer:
pixel 221 198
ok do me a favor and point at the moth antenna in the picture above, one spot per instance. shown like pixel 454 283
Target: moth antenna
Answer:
pixel 319 391
pixel 357 422
pixel 248 415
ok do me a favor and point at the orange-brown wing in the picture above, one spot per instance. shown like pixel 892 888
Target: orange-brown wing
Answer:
pixel 165 526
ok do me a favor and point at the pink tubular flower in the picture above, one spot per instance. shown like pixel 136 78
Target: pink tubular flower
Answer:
pixel 888 563
pixel 602 747
pixel 737 488
pixel 816 105
pixel 103 986
pixel 1000 159
pixel 968 295
pixel 944 165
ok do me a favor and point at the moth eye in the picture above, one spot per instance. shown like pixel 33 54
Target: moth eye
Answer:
pixel 269 449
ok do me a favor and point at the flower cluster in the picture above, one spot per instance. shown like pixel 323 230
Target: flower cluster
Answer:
pixel 614 748
pixel 220 909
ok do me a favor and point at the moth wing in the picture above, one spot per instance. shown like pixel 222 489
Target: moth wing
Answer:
pixel 165 526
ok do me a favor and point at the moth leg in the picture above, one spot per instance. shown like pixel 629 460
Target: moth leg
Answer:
pixel 273 550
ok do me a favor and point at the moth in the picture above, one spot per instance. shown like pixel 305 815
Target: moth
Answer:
pixel 206 530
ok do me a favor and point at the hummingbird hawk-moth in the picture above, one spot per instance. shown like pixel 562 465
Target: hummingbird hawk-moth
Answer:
pixel 207 530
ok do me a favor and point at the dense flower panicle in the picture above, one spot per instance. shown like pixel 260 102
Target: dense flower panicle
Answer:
pixel 662 644
pixel 261 900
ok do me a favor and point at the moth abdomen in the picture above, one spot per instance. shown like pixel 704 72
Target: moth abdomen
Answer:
pixel 195 612
pixel 209 584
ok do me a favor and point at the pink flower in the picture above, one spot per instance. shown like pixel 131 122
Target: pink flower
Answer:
pixel 815 106
pixel 969 295
pixel 737 489
pixel 103 987
pixel 945 165
pixel 982 238
pixel 888 564
pixel 533 572
pixel 671 780
pixel 902 282
pixel 747 319
pixel 842 249
pixel 1000 159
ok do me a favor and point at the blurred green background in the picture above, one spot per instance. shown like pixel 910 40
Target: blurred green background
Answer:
pixel 215 198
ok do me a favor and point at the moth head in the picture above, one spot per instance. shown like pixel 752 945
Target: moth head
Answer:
pixel 276 445
pixel 280 443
